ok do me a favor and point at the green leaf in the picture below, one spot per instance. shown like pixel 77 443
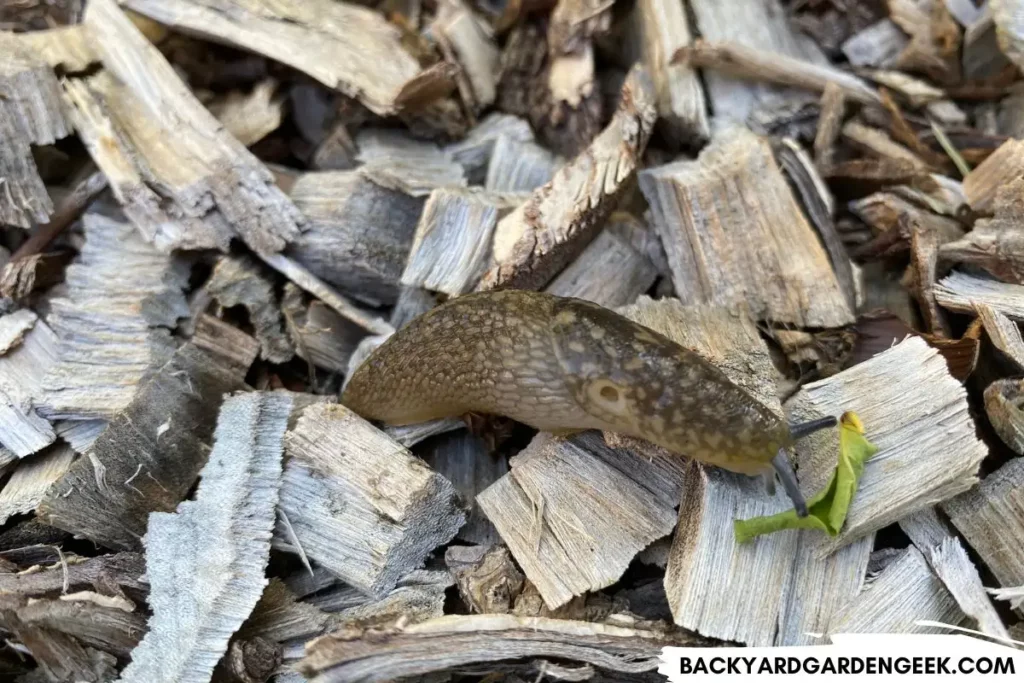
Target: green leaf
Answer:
pixel 827 510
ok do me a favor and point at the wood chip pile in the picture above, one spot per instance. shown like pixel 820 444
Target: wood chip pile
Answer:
pixel 212 211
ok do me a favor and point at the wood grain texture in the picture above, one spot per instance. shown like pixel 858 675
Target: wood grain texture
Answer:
pixel 30 480
pixel 964 293
pixel 113 325
pixel 735 235
pixel 345 482
pixel 342 45
pixel 23 430
pixel 928 449
pixel 241 281
pixel 538 239
pixel 983 183
pixel 990 518
pixel 136 467
pixel 199 192
pixel 206 561
pixel 950 562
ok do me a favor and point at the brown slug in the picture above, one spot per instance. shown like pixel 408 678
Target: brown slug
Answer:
pixel 563 365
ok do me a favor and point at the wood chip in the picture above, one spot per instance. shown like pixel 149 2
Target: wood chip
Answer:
pixel 928 449
pixel 68 48
pixel 537 240
pixel 988 518
pixel 108 629
pixel 467 640
pixel 611 271
pixel 240 281
pixel 31 113
pixel 964 293
pixel 397 161
pixel 346 482
pixel 419 596
pixel 475 151
pixel 487 577
pixel 199 192
pixel 1009 24
pixel 983 183
pixel 206 561
pixel 320 336
pixel 1004 335
pixel 950 562
pixel 734 182
pixel 451 248
pixel 342 45
pixel 101 311
pixel 115 575
pixel 996 244
pixel 464 460
pixel 561 495
pixel 251 116
pixel 907 591
pixel 22 429
pixel 13 328
pixel 519 166
pixel 661 28
pixel 466 40
pixel 28 483
pixel 135 467
pixel 877 46
pixel 358 232
pixel 878 143
pixel 934 38
pixel 1003 400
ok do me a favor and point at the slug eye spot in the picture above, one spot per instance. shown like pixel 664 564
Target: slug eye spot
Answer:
pixel 607 397
pixel 609 393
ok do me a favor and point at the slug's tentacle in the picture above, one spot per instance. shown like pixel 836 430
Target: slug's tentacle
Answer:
pixel 788 478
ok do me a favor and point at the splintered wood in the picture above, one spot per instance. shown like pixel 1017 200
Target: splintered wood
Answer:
pixel 107 343
pixel 206 561
pixel 346 482
pixel 917 463
pixel 341 45
pixel 197 193
pixel 22 370
pixel 31 113
pixel 539 238
pixel 734 234
pixel 149 456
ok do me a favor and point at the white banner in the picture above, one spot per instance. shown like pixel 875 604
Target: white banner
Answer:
pixel 853 657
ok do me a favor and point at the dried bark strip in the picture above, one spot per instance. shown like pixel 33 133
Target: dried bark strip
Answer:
pixel 150 454
pixel 468 640
pixel 199 192
pixel 537 240
pixel 735 235
pixel 108 629
pixel 344 46
pixel 206 561
pixel 359 503
pixel 928 449
pixel 113 326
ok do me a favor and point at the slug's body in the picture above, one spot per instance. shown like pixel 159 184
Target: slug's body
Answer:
pixel 562 365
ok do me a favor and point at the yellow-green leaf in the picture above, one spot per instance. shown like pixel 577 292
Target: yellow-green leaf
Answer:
pixel 827 510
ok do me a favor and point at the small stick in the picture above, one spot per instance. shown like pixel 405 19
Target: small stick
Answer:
pixel 321 290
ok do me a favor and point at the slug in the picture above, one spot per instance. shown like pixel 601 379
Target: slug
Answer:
pixel 563 365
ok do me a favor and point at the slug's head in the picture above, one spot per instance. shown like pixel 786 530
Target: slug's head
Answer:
pixel 635 381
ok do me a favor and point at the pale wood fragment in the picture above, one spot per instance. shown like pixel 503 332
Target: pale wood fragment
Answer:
pixel 199 192
pixel 830 123
pixel 240 281
pixel 13 328
pixel 877 46
pixel 964 293
pixel 22 370
pixel 346 482
pixel 611 271
pixel 107 342
pixel 661 28
pixel 358 232
pixel 31 478
pixel 1008 16
pixel 734 234
pixel 905 592
pixel 537 240
pixel 250 116
pixel 1002 166
pixel 1003 400
pixel 878 143
pixel 69 48
pixel 934 38
pixel 31 112
pixel 519 166
pixel 344 46
pixel 468 640
pixel 475 151
pixel 452 245
pixel 990 520
pixel 487 577
pixel 950 562
pixel 562 495
pixel 418 596
pixel 928 449
pixel 206 561
pixel 996 244
pixel 149 456
pixel 397 161
pixel 319 334
pixel 466 40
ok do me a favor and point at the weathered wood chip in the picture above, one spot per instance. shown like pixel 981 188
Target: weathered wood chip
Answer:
pixel 487 577
pixel 920 421
pixel 28 483
pixel 206 561
pixel 519 166
pixel 1001 167
pixel 965 293
pixel 13 328
pixel 1004 399
pixel 22 429
pixel 359 503
pixel 149 456
pixel 240 281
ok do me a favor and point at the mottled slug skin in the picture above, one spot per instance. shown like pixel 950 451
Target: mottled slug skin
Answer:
pixel 561 364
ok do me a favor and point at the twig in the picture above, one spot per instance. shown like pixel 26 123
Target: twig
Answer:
pixel 947 146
